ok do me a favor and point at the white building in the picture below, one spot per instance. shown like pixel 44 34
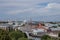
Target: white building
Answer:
pixel 36 31
pixel 50 25
pixel 5 26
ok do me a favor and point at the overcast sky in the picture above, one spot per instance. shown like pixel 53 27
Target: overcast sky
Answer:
pixel 42 10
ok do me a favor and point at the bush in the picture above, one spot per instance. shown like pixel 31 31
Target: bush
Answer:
pixel 16 34
pixel 4 35
pixel 46 37
pixel 11 35
pixel 22 39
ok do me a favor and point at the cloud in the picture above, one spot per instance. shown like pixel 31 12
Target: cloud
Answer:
pixel 49 9
pixel 30 6
pixel 19 11
pixel 53 5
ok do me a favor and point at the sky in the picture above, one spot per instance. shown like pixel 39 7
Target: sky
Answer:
pixel 38 10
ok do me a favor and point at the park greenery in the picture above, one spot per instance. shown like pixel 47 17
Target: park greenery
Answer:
pixel 12 35
pixel 19 35
pixel 47 37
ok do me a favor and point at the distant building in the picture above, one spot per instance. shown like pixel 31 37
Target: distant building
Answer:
pixel 54 32
pixel 39 29
pixel 51 25
pixel 6 26
pixel 3 22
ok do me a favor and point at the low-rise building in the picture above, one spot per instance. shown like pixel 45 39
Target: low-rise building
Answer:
pixel 6 26
pixel 54 32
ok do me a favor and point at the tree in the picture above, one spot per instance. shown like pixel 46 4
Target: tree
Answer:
pixel 25 35
pixel 4 35
pixel 22 38
pixel 11 35
pixel 59 35
pixel 16 34
pixel 46 37
pixel 59 25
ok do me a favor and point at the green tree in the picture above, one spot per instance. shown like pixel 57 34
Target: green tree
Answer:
pixel 16 34
pixel 22 38
pixel 4 35
pixel 46 37
pixel 11 35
